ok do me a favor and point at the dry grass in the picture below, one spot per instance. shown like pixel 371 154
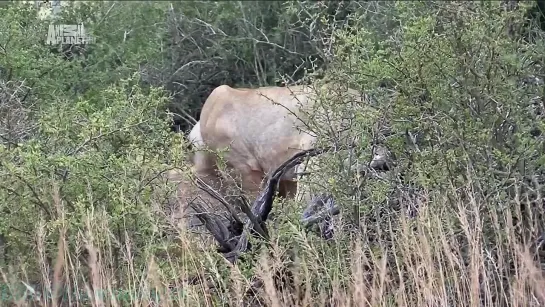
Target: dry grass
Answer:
pixel 446 256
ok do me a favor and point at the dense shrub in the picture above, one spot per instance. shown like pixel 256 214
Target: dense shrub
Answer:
pixel 455 90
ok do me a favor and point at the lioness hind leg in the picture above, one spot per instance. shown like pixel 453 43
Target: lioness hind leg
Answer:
pixel 205 168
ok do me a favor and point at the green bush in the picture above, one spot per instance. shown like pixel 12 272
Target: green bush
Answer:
pixel 456 92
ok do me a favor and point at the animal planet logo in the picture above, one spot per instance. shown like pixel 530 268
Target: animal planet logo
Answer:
pixel 68 34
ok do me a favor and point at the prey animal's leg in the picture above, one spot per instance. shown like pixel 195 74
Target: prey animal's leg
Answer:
pixel 287 189
pixel 320 210
pixel 252 182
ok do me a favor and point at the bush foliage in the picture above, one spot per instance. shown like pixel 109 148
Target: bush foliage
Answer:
pixel 455 91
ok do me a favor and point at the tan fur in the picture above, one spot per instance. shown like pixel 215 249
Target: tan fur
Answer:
pixel 260 134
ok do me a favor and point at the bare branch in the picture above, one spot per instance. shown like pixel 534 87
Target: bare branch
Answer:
pixel 91 139
pixel 214 194
pixel 216 227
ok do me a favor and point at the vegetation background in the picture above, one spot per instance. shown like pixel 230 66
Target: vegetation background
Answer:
pixel 86 217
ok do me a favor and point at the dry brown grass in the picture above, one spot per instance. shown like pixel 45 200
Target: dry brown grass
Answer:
pixel 443 257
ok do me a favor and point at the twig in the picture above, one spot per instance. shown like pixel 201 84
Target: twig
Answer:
pixel 218 230
pixel 80 147
pixel 214 194
pixel 39 202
